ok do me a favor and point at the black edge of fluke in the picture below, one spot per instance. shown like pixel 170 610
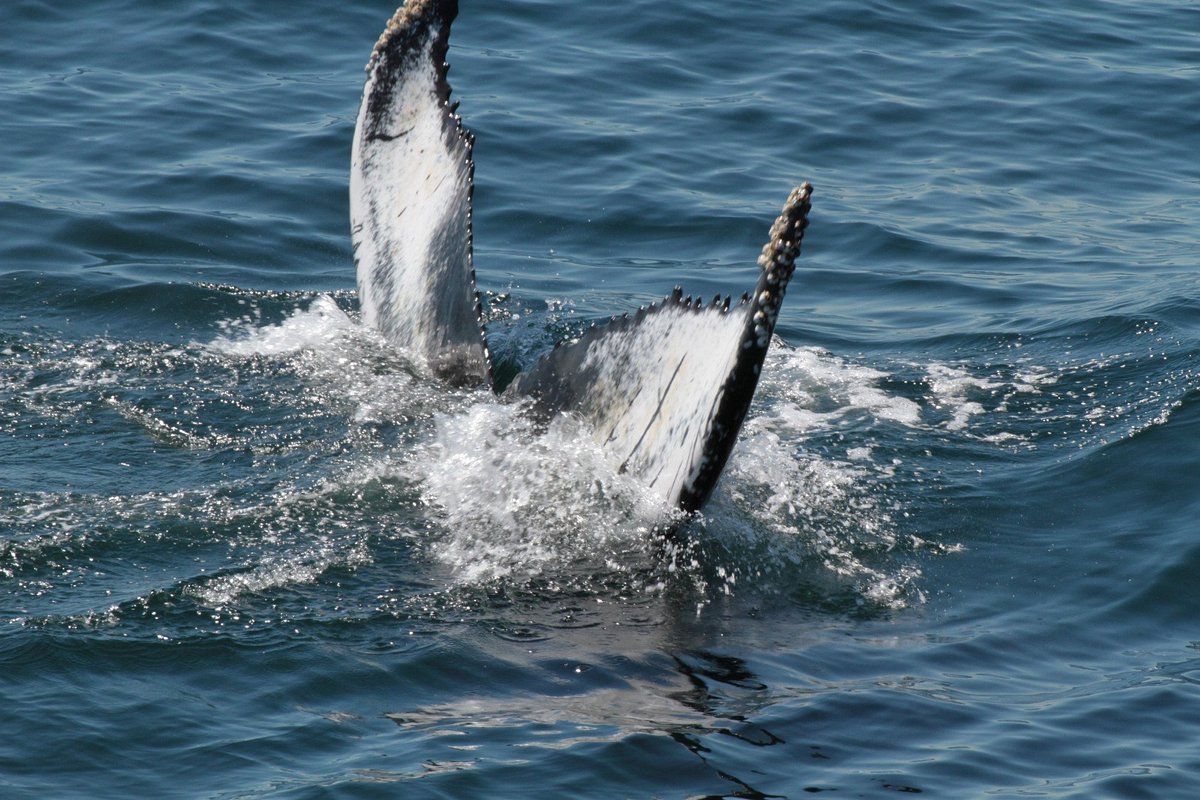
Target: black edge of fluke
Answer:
pixel 399 47
pixel 777 262
pixel 403 36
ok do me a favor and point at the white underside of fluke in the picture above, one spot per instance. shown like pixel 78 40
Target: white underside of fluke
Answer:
pixel 655 388
pixel 410 207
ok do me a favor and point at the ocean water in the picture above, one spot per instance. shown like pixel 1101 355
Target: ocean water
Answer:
pixel 247 552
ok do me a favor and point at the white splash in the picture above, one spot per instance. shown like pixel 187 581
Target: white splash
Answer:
pixel 952 389
pixel 815 389
pixel 316 327
pixel 518 502
pixel 509 500
pixel 808 508
pixel 285 568
pixel 820 508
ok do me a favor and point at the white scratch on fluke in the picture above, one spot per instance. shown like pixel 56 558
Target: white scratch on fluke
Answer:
pixel 664 390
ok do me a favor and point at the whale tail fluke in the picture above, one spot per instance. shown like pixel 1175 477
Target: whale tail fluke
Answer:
pixel 411 180
pixel 665 389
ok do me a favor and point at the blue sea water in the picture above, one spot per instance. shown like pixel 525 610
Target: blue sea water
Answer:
pixel 247 552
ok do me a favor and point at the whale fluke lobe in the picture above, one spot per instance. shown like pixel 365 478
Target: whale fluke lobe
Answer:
pixel 664 390
pixel 666 393
pixel 411 179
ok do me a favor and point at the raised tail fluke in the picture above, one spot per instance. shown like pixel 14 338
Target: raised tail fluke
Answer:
pixel 411 184
pixel 665 390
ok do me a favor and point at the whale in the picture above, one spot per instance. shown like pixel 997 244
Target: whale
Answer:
pixel 663 390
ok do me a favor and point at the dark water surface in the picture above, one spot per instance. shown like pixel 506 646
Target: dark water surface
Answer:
pixel 245 552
